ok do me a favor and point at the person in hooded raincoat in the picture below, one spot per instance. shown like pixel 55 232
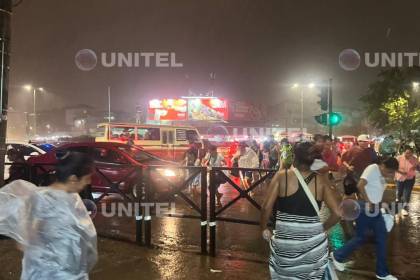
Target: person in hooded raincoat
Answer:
pixel 51 224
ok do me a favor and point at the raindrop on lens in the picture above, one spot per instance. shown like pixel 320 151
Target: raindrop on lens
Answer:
pixel 86 59
pixel 349 59
pixel 350 209
pixel 90 207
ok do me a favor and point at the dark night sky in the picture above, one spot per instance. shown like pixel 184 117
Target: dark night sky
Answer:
pixel 256 47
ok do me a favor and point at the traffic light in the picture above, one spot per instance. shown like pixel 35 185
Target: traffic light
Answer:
pixel 322 119
pixel 332 119
pixel 335 118
pixel 323 97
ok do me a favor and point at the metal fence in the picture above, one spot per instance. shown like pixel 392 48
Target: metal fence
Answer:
pixel 204 209
pixel 242 194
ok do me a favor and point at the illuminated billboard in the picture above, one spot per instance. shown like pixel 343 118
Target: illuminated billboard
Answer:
pixel 167 110
pixel 207 109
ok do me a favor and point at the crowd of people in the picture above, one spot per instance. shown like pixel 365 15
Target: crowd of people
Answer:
pixel 330 158
pixel 298 242
pixel 305 180
pixel 302 184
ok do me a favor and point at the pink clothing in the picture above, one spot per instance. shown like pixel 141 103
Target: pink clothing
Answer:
pixel 407 166
pixel 331 159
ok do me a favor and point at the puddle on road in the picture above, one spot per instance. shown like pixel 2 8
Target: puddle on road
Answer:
pixel 238 243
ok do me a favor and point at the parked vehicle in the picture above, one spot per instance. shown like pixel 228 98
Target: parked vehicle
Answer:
pixel 164 141
pixel 119 165
pixel 25 149
pixel 46 147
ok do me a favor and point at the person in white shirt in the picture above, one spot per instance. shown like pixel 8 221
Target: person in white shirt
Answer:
pixel 371 186
pixel 247 158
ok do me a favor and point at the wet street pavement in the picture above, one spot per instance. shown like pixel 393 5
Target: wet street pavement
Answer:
pixel 241 252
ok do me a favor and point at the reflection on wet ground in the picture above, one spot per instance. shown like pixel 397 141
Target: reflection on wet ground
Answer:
pixel 242 253
pixel 403 247
pixel 242 244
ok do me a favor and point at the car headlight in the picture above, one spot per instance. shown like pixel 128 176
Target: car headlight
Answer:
pixel 166 172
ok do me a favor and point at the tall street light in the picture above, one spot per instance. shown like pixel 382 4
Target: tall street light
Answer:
pixel 415 86
pixel 298 86
pixel 34 91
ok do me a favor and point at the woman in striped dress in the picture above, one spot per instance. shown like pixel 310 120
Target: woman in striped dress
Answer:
pixel 299 244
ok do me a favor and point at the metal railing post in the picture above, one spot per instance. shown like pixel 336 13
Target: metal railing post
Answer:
pixel 203 175
pixel 148 216
pixel 139 213
pixel 212 221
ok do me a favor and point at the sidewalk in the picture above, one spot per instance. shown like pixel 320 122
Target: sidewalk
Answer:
pixel 241 252
pixel 392 186
pixel 127 261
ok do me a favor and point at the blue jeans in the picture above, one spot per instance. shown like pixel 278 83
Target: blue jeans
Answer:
pixel 364 224
pixel 404 189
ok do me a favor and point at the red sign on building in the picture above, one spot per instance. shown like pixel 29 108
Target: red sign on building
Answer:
pixel 207 109
pixel 167 110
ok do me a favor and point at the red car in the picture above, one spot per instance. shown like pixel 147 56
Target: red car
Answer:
pixel 118 165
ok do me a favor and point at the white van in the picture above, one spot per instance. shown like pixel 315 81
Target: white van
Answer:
pixel 165 141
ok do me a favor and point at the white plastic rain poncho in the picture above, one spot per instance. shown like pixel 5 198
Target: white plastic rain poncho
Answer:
pixel 54 229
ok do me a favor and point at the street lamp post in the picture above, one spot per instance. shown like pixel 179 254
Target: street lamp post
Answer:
pixel 34 110
pixel 295 86
pixel 301 111
pixel 5 31
pixel 415 86
pixel 34 91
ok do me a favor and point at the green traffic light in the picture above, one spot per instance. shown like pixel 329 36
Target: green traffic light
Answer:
pixel 332 119
pixel 322 119
pixel 335 119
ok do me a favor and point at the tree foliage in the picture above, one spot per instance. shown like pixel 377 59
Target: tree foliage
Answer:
pixel 402 114
pixel 391 101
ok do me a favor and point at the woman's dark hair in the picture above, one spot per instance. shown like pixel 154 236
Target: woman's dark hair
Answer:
pixel 390 163
pixel 72 163
pixel 305 154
